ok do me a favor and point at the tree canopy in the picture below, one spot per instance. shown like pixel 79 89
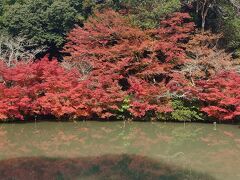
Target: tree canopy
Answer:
pixel 42 21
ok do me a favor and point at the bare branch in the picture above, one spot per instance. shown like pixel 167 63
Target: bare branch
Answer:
pixel 81 65
pixel 13 50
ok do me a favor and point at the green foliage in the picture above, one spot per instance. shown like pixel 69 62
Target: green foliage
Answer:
pixel 184 110
pixel 222 17
pixel 1 8
pixel 42 21
pixel 231 27
pixel 147 13
pixel 125 105
pixel 143 13
pixel 123 111
pixel 232 32
pixel 230 20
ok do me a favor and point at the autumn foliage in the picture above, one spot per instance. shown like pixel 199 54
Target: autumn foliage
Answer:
pixel 34 88
pixel 221 95
pixel 207 59
pixel 136 61
pixel 114 69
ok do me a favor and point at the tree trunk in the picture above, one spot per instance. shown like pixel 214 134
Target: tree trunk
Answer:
pixel 203 25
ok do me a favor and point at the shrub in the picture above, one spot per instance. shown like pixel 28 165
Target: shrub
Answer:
pixel 25 94
pixel 185 110
pixel 220 95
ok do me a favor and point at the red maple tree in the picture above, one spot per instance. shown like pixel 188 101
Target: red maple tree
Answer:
pixel 138 61
pixel 24 86
pixel 221 95
pixel 110 60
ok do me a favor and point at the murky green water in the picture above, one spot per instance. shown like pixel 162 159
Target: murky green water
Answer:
pixel 193 148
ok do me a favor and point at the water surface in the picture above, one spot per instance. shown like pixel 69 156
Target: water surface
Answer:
pixel 191 151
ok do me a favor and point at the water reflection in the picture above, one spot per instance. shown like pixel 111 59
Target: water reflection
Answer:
pixel 195 147
pixel 115 167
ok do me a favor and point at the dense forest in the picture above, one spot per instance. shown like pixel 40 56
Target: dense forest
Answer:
pixel 168 60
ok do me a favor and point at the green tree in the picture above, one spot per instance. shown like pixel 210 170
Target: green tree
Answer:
pixel 147 13
pixel 143 13
pixel 1 8
pixel 231 23
pixel 221 16
pixel 42 21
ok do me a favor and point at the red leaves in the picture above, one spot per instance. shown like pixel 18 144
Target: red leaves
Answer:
pixel 177 27
pixel 34 88
pixel 120 52
pixel 119 69
pixel 49 89
pixel 108 38
pixel 139 109
pixel 221 94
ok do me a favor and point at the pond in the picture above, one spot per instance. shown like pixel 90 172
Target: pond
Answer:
pixel 118 150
